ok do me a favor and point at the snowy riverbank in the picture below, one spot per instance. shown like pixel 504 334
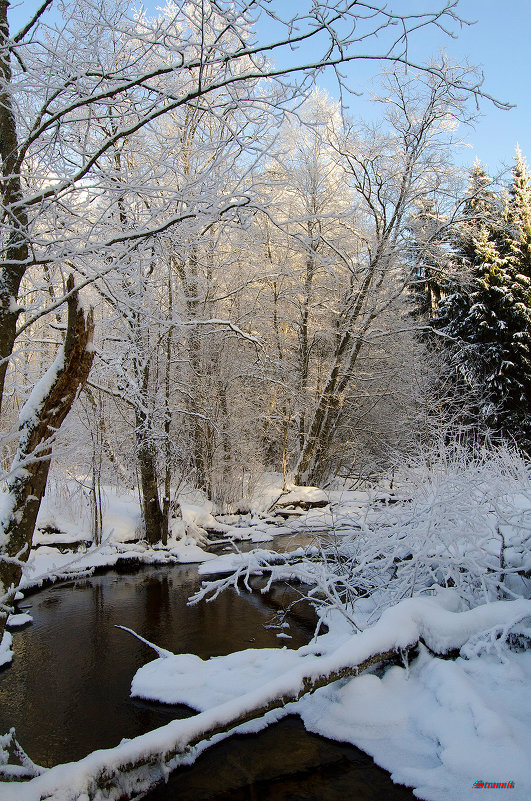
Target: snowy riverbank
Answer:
pixel 63 547
pixel 436 725
pixel 439 568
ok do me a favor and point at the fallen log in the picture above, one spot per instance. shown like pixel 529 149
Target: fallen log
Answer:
pixel 18 766
pixel 150 758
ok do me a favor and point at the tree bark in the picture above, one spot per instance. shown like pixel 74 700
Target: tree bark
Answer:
pixel 166 501
pixel 153 521
pixel 303 355
pixel 39 421
pixel 147 463
pixel 200 456
pixel 347 351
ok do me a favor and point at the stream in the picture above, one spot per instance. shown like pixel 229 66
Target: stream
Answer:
pixel 67 690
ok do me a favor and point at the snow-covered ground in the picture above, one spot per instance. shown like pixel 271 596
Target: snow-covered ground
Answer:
pixel 47 561
pixel 63 544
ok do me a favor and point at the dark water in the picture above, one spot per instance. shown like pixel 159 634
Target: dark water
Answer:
pixel 282 763
pixel 67 691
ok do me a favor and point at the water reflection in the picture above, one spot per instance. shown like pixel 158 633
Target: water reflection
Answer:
pixel 282 763
pixel 67 691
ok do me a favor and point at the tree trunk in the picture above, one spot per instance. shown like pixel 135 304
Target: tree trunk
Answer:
pixel 14 213
pixel 303 355
pixel 39 421
pixel 147 463
pixel 327 410
pixel 166 501
pixel 153 521
pixel 319 428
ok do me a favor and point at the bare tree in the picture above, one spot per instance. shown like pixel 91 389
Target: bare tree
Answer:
pixel 389 174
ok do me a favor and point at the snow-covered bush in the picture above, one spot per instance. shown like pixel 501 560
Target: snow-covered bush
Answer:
pixel 456 521
pixel 464 522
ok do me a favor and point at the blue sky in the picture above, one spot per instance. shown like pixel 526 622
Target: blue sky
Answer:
pixel 498 42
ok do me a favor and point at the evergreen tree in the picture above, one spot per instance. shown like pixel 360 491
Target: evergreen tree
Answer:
pixel 487 312
pixel 460 304
pixel 516 249
pixel 518 221
pixel 481 218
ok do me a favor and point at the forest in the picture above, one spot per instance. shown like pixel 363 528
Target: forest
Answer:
pixel 231 309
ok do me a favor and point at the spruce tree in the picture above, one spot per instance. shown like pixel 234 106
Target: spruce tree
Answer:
pixel 518 220
pixel 516 250
pixel 481 218
pixel 460 304
pixel 428 259
pixel 487 312
pixel 481 210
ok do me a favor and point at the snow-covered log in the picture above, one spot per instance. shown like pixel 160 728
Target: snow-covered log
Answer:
pixel 15 764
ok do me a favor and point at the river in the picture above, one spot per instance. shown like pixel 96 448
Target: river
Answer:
pixel 67 690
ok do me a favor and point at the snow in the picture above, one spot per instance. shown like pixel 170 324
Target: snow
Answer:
pixel 67 510
pixel 45 561
pixel 301 495
pixel 437 725
pixel 15 621
pixel 252 562
pixel 40 392
pixel 203 684
pixel 58 538
pixel 65 518
pixel 249 534
pixel 6 654
pixel 198 516
pixel 63 524
pixel 270 491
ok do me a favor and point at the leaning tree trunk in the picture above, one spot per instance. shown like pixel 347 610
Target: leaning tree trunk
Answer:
pixel 327 411
pixel 39 421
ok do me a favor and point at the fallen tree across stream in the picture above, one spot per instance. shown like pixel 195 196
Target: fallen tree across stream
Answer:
pixel 139 764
